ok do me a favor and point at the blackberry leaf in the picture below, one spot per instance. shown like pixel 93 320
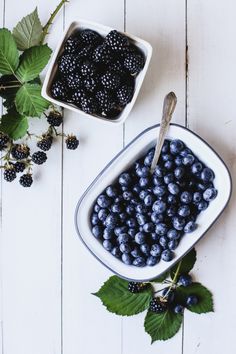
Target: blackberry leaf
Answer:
pixel 116 297
pixel 9 56
pixel 187 263
pixel 14 124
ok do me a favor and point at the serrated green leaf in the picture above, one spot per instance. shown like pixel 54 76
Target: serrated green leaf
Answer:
pixel 32 62
pixel 115 295
pixel 14 124
pixel 205 299
pixel 185 264
pixel 8 91
pixel 28 31
pixel 161 278
pixel 29 101
pixel 9 56
pixel 162 326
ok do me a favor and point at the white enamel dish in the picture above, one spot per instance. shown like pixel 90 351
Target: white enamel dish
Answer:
pixel 137 148
pixel 144 46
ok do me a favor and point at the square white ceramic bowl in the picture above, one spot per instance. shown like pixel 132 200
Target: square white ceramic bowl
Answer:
pixel 144 46
pixel 137 148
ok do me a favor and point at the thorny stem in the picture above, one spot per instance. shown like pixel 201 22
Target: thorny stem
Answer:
pixel 51 18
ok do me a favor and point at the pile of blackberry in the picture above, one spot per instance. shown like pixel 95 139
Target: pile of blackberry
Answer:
pixel 97 74
pixel 142 217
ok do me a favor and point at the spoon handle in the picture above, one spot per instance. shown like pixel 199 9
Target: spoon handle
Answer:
pixel 168 109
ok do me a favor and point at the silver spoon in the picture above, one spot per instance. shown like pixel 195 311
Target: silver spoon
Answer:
pixel 168 109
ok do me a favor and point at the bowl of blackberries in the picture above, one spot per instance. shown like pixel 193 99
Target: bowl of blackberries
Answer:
pixel 97 71
pixel 138 223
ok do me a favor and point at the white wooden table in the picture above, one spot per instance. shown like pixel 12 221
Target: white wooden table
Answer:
pixel 46 273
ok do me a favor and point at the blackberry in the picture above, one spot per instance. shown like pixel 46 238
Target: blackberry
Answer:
pixel 105 100
pixel 135 287
pixel 102 54
pixel 118 67
pixel 157 306
pixel 39 157
pixel 78 96
pixel 116 41
pixel 72 45
pixel 125 94
pixel 91 83
pixel 134 63
pixel 88 68
pixel 4 139
pixel 59 90
pixel 26 180
pixel 111 80
pixel 74 80
pixel 89 36
pixel 19 166
pixel 85 52
pixel 20 151
pixel 9 174
pixel 54 118
pixel 89 104
pixel 72 142
pixel 45 142
pixel 67 63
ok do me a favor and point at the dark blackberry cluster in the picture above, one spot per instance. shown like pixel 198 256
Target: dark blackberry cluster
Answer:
pixel 98 74
pixel 45 142
pixel 20 151
pixel 54 118
pixel 72 142
pixel 137 287
pixel 39 157
pixel 142 216
pixel 26 180
pixel 157 306
pixel 4 139
pixel 9 174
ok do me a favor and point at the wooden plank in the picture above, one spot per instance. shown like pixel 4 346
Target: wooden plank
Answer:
pixel 162 23
pixel 211 113
pixel 87 326
pixel 31 244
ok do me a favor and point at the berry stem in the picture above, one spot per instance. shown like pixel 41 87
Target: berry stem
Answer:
pixel 173 282
pixel 2 87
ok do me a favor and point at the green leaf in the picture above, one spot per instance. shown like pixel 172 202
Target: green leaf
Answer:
pixel 205 299
pixel 185 264
pixel 7 92
pixel 28 31
pixel 29 101
pixel 32 62
pixel 161 278
pixel 115 295
pixel 162 326
pixel 14 124
pixel 9 56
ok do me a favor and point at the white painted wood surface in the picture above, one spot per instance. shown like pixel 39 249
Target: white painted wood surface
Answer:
pixel 46 273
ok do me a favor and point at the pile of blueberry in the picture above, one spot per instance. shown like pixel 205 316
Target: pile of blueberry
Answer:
pixel 98 74
pixel 142 217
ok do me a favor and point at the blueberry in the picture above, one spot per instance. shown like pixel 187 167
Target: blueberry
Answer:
pixel 151 261
pixel 191 300
pixel 165 147
pixel 188 160
pixel 97 231
pixel 126 258
pixel 173 234
pixel 155 237
pixel 176 146
pixel 166 157
pixel 155 250
pixel 117 208
pixel 190 227
pixel 123 238
pixel 136 189
pixel 135 252
pixel 209 194
pixel 141 209
pixel 185 280
pixel 148 160
pixel 159 190
pixel 102 214
pixel 116 252
pixel 169 178
pixel 148 200
pixel 157 181
pixel 107 245
pixel 143 182
pixel 118 199
pixel 202 205
pixel 130 209
pixel 185 152
pixel 120 230
pixel 171 199
pixel 167 255
pixel 140 238
pixel 163 241
pixel 169 165
pixel 207 175
pixel 124 189
pixel 141 219
pixel 111 221
pixel 148 227
pixel 186 197
pixel 142 171
pixel 96 208
pixel 132 232
pixel 112 191
pixel 123 217
pixel 103 201
pixel 171 211
pixel 179 172
pixel 173 188
pixel 184 210
pixel 94 219
pixel 127 195
pixel 179 309
pixel 143 194
pixel 159 171
pixel 131 223
pixel 202 187
pixel 173 244
pixel 157 218
pixel 159 207
pixel 125 247
pixel 139 262
pixel 145 249
pixel 125 179
pixel 197 197
pixel 108 234
pixel 178 160
pixel 196 167
pixel 161 229
pixel 178 223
